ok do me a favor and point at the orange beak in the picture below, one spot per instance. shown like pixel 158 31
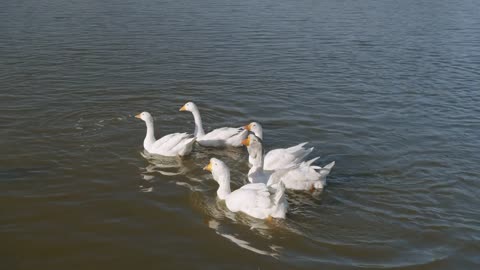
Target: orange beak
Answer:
pixel 246 142
pixel 183 108
pixel 247 127
pixel 208 167
pixel 138 116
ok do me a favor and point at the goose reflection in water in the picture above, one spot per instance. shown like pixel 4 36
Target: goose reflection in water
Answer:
pixel 167 166
pixel 240 229
pixel 246 232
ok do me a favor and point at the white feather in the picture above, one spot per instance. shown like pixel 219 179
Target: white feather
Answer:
pixel 256 200
pixel 220 137
pixel 175 144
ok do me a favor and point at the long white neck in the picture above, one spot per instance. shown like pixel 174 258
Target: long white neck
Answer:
pixel 223 179
pixel 256 157
pixel 199 132
pixel 150 137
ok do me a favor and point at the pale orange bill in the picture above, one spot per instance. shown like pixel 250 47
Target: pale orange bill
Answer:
pixel 246 142
pixel 208 167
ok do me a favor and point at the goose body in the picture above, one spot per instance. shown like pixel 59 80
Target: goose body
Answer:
pixel 256 200
pixel 220 137
pixel 280 158
pixel 303 176
pixel 175 144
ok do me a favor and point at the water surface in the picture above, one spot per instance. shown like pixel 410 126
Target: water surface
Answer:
pixel 387 89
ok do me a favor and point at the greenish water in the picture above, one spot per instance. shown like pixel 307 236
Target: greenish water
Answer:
pixel 387 89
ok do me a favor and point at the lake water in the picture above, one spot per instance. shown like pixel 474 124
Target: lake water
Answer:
pixel 387 89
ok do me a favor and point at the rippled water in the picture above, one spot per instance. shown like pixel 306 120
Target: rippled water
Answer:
pixel 387 89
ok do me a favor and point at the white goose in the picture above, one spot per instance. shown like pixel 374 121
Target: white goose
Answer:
pixel 302 177
pixel 175 144
pixel 219 137
pixel 256 200
pixel 280 158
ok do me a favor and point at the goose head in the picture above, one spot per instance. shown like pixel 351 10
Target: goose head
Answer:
pixel 256 128
pixel 189 107
pixel 145 116
pixel 255 149
pixel 252 141
pixel 218 169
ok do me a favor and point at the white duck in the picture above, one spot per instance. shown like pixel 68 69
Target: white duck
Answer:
pixel 219 137
pixel 280 158
pixel 175 144
pixel 256 200
pixel 302 177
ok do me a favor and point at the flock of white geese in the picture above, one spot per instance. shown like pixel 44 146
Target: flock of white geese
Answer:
pixel 269 175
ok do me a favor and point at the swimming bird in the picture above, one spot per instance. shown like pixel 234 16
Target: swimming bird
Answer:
pixel 220 137
pixel 256 200
pixel 175 144
pixel 280 158
pixel 304 176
